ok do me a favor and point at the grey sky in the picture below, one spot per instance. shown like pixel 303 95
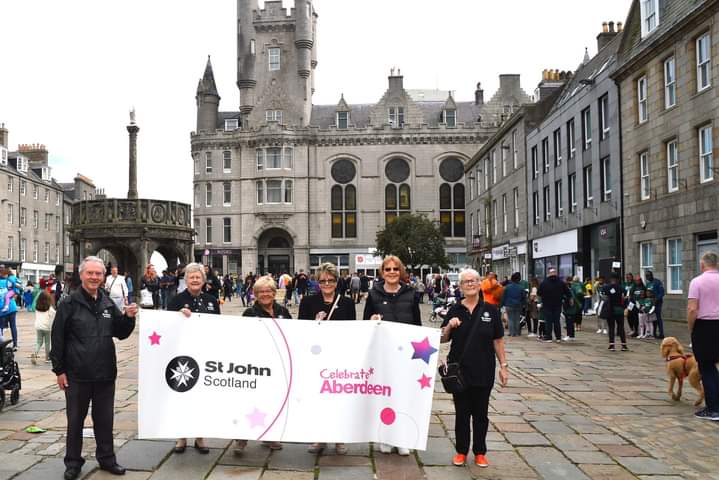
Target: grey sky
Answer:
pixel 72 69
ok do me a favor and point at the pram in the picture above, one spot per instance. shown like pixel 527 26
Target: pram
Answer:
pixel 9 374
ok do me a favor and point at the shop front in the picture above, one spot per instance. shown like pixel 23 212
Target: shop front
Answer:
pixel 33 272
pixel 222 260
pixel 556 251
pixel 508 259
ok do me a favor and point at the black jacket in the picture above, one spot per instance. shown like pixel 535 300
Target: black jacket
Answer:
pixel 553 291
pixel 256 311
pixel 311 305
pixel 402 307
pixel 203 303
pixel 82 345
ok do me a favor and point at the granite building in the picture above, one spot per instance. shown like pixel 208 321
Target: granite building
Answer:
pixel 668 85
pixel 574 188
pixel 282 184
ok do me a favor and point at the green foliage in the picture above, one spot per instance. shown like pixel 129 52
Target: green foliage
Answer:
pixel 415 239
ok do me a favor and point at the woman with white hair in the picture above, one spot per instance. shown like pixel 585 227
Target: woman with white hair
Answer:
pixel 194 300
pixel 477 334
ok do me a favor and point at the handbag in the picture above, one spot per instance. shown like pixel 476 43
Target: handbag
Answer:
pixel 451 373
pixel 146 298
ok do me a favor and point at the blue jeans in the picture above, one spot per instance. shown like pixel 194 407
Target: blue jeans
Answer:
pixel 552 319
pixel 9 321
pixel 587 304
pixel 513 314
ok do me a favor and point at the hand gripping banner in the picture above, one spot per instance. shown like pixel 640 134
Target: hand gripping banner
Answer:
pixel 286 380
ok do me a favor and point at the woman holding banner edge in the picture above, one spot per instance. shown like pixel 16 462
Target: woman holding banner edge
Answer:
pixel 476 322
pixel 327 306
pixel 193 300
pixel 391 300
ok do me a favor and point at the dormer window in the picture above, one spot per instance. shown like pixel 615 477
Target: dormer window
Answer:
pixel 46 174
pixel 396 117
pixel 22 164
pixel 449 117
pixel 231 124
pixel 3 156
pixel 650 16
pixel 343 119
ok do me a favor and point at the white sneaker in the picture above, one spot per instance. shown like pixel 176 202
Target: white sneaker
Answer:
pixel 604 331
pixel 567 338
pixel 532 335
pixel 403 451
pixel 384 448
pixel 599 331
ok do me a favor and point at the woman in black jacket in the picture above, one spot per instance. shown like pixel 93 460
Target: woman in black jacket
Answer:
pixel 392 301
pixel 329 305
pixel 612 295
pixel 151 282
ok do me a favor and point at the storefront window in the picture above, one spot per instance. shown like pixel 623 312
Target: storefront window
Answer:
pixel 566 266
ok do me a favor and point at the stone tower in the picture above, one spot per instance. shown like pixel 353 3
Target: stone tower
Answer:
pixel 276 58
pixel 208 100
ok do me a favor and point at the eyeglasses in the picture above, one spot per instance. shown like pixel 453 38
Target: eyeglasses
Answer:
pixel 391 269
pixel 469 282
pixel 331 281
pixel 262 292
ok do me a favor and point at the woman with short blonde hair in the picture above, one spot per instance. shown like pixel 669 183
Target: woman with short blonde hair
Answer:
pixel 263 283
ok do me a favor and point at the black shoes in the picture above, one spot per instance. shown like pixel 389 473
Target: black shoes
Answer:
pixel 203 450
pixel 71 473
pixel 114 469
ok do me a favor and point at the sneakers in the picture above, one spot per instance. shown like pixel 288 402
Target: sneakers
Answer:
pixel 481 461
pixel 624 348
pixel 599 330
pixel 611 348
pixel 402 451
pixel 384 448
pixel 707 414
pixel 556 340
pixel 531 335
pixel 604 331
pixel 459 459
pixel 568 339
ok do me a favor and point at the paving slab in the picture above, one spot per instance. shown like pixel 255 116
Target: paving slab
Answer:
pixel 552 427
pixel 190 464
pixel 439 452
pixel 144 454
pixel 596 458
pixel 447 473
pixel 254 455
pixel 129 475
pixel 646 466
pixel 285 475
pixel 230 472
pixel 13 462
pixel 609 472
pixel 42 405
pixel 344 461
pixel 570 441
pixel 53 469
pixel 395 467
pixel 293 456
pixel 345 473
pixel 527 439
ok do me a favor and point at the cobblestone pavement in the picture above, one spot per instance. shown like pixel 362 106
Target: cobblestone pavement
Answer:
pixel 571 411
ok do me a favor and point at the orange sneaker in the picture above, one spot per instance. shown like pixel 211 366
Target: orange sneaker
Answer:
pixel 481 461
pixel 459 459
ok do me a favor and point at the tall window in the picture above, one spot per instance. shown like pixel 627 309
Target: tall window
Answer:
pixel 10 186
pixel 344 211
pixel 196 161
pixel 478 180
pixel 23 188
pixel 503 152
pixel 586 128
pixel 516 208
pixel 208 194
pixel 535 207
pixel 535 162
pixel 642 109
pixel 208 230
pixel 35 219
pixel 604 116
pixel 486 173
pixel 672 166
pixel 47 252
pixel 645 181
pixel 557 143
pixel 451 210
pixel 572 180
pixel 515 149
pixel 706 156
pixel 343 119
pixel 504 213
pixel 226 230
pixel 547 204
pixel 47 196
pixel 35 251
pixel 703 62
pixel 650 15
pixel 670 83
pixel 450 117
pixel 558 204
pixel 398 193
pixel 646 257
pixel 226 194
pixel 494 167
pixel 35 192
pixel 674 265
pixel 606 178
pixel 273 158
pixel 494 217
pixel 288 153
pixel 396 116
pixel 208 162
pixel 545 155
pixel 10 215
pixel 260 192
pixel 274 56
pixel 23 249
pixel 274 191
pixel 588 188
pixel 288 191
pixel 10 247
pixel 197 195
pixel 226 161
pixel 23 216
pixel 487 222
pixel 571 139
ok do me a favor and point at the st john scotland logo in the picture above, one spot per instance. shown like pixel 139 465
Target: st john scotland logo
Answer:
pixel 182 373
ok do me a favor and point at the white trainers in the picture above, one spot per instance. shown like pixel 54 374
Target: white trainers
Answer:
pixel 599 331
pixel 531 335
pixel 384 448
pixel 403 451
pixel 604 331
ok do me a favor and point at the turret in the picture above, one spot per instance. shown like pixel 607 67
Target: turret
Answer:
pixel 246 56
pixel 303 36
pixel 208 100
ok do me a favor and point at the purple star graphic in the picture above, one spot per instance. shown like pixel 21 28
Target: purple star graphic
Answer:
pixel 154 338
pixel 256 418
pixel 424 382
pixel 423 350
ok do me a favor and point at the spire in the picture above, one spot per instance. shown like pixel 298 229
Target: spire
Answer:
pixel 586 56
pixel 206 84
pixel 342 105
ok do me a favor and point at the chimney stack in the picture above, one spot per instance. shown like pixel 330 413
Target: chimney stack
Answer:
pixel 479 95
pixel 36 154
pixel 4 136
pixel 396 80
pixel 552 79
pixel 607 34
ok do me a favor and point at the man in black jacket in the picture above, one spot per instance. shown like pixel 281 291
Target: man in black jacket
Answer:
pixel 83 358
pixel 553 291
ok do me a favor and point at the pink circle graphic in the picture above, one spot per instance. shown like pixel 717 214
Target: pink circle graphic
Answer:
pixel 387 416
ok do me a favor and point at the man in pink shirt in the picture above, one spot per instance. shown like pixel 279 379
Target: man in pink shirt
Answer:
pixel 703 321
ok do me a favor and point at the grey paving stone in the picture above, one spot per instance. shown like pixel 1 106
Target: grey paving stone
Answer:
pixel 254 455
pixel 527 439
pixel 447 473
pixel 604 439
pixel 345 473
pixel 52 469
pixel 552 427
pixel 560 471
pixel 7 446
pixel 293 456
pixel 190 464
pixel 646 466
pixel 143 454
pixel 598 458
pixel 42 406
pixel 12 462
pixel 570 441
pixel 439 452
pixel 30 415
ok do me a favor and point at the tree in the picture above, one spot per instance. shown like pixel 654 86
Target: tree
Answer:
pixel 415 239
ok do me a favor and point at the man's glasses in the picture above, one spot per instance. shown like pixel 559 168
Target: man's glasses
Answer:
pixel 391 269
pixel 331 281
pixel 469 282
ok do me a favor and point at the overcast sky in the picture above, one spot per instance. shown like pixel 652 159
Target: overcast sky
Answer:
pixel 71 70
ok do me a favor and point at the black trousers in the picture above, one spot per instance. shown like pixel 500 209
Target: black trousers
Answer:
pixel 472 404
pixel 616 321
pixel 78 396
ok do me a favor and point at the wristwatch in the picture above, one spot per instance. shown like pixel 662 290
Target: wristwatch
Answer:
pixel 504 365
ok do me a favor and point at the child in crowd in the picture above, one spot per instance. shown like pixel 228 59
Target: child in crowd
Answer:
pixel 44 316
pixel 646 314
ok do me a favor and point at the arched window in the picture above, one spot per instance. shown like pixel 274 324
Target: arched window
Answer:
pixel 343 200
pixel 451 198
pixel 397 195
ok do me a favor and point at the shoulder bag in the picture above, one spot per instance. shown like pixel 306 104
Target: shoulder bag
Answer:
pixel 451 373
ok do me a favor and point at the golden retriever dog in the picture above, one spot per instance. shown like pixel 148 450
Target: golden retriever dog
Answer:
pixel 680 366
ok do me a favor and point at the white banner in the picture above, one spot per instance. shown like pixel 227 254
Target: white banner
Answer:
pixel 287 380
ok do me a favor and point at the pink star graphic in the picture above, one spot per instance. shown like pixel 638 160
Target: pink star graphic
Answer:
pixel 371 371
pixel 425 382
pixel 154 338
pixel 256 418
pixel 423 350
